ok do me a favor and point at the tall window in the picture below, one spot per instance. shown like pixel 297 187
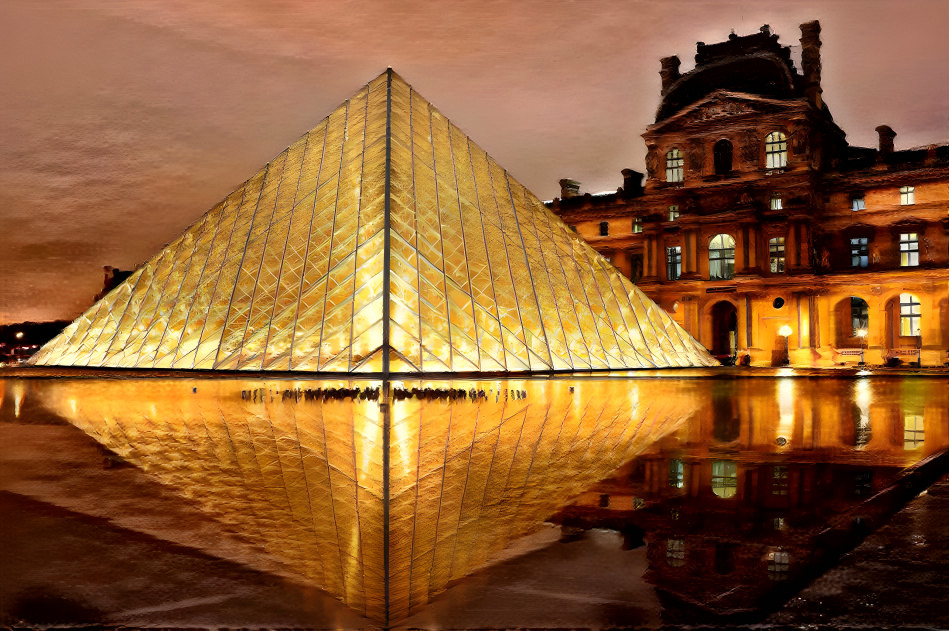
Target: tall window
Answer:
pixel 776 150
pixel 674 262
pixel 909 249
pixel 721 257
pixel 776 203
pixel 859 315
pixel 722 152
pixel 676 474
pixel 673 212
pixel 604 228
pixel 674 166
pixel 675 552
pixel 858 202
pixel 779 480
pixel 776 251
pixel 907 195
pixel 637 225
pixel 910 315
pixel 859 252
pixel 724 478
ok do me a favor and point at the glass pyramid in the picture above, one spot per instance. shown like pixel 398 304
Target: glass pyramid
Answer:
pixel 383 241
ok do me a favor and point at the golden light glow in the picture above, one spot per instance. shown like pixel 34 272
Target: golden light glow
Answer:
pixel 385 202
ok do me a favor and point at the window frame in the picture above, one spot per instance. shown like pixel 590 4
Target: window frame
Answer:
pixel 637 225
pixel 673 213
pixel 860 252
pixel 858 202
pixel 909 249
pixel 675 166
pixel 777 256
pixel 911 316
pixel 776 150
pixel 724 483
pixel 673 262
pixel 907 195
pixel 720 260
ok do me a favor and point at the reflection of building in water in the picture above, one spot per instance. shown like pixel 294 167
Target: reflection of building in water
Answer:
pixel 757 214
pixel 382 522
pixel 767 481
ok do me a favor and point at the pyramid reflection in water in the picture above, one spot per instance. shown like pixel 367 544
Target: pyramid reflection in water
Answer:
pixel 306 480
pixel 382 241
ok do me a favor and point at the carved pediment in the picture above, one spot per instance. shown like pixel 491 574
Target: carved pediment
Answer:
pixel 721 106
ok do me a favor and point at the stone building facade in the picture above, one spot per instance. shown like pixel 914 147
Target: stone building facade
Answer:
pixel 763 232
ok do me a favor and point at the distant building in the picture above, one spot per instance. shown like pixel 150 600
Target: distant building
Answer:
pixel 763 232
pixel 113 277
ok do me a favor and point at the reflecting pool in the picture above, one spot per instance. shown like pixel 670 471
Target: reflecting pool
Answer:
pixel 385 495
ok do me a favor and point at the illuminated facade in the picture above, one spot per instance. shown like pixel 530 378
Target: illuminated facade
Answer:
pixel 757 215
pixel 383 241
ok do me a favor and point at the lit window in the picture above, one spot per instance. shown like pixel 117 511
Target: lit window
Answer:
pixel 910 315
pixel 675 552
pixel 778 564
pixel 909 249
pixel 776 150
pixel 721 257
pixel 637 225
pixel 724 478
pixel 776 203
pixel 674 262
pixel 907 195
pixel 673 212
pixel 604 228
pixel 913 433
pixel 859 252
pixel 857 202
pixel 779 480
pixel 674 166
pixel 776 253
pixel 676 474
pixel 779 523
pixel 859 315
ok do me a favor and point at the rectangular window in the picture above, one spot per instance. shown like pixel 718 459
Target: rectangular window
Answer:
pixel 857 202
pixel 675 164
pixel 776 251
pixel 673 212
pixel 859 252
pixel 779 480
pixel 674 262
pixel 913 433
pixel 604 228
pixel 724 478
pixel 910 315
pixel 778 564
pixel 676 474
pixel 907 195
pixel 675 552
pixel 637 225
pixel 909 249
pixel 776 203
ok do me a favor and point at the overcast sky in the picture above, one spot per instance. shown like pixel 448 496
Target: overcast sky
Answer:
pixel 124 121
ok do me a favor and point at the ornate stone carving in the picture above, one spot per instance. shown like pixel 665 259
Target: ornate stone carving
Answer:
pixel 749 147
pixel 652 161
pixel 720 109
pixel 696 156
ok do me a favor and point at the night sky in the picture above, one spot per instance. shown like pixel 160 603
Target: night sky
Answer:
pixel 123 122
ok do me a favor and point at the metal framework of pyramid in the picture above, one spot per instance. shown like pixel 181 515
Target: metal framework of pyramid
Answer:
pixel 383 241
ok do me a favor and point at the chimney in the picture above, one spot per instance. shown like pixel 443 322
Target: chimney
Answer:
pixel 632 183
pixel 810 62
pixel 569 188
pixel 886 140
pixel 669 72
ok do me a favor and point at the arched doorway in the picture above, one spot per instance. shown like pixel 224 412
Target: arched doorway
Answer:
pixel 851 322
pixel 724 330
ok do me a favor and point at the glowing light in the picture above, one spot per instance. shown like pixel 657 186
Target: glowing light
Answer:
pixel 785 331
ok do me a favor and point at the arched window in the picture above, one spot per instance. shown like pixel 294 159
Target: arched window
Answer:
pixel 859 316
pixel 604 228
pixel 910 315
pixel 721 257
pixel 776 150
pixel 722 152
pixel 674 166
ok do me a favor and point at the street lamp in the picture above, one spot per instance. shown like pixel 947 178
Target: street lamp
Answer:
pixel 785 332
pixel 862 334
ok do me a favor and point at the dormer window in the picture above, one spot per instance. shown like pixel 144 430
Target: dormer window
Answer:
pixel 673 212
pixel 857 202
pixel 722 153
pixel 776 150
pixel 907 195
pixel 675 164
